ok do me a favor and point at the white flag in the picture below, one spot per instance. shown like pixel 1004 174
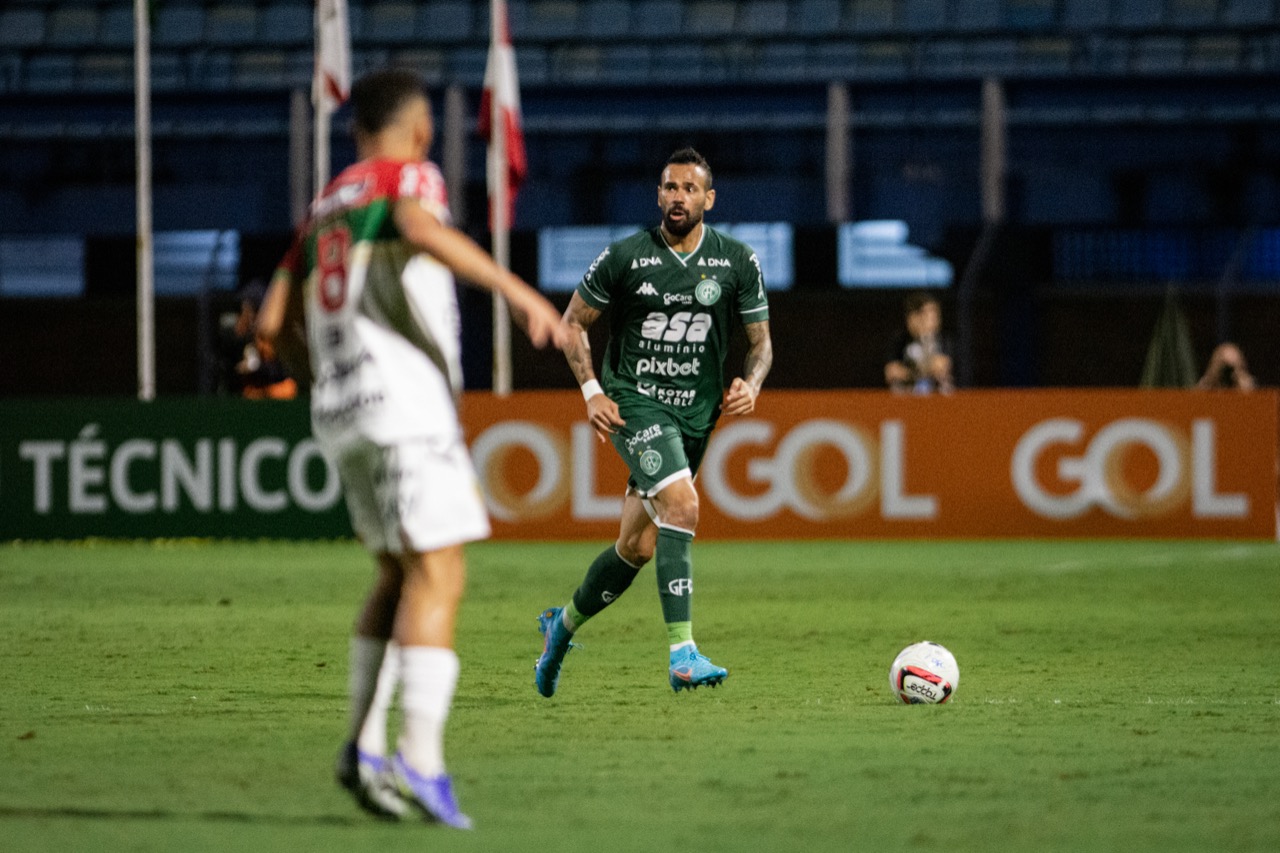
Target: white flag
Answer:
pixel 501 89
pixel 332 82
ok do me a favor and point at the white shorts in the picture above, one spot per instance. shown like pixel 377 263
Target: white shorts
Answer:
pixel 412 496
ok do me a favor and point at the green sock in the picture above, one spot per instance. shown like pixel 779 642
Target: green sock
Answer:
pixel 607 578
pixel 674 564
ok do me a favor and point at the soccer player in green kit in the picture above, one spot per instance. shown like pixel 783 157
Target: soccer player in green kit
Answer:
pixel 673 294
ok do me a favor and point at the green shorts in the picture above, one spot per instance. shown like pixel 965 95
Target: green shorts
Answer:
pixel 655 450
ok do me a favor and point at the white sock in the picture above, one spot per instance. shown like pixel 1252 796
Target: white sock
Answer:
pixel 373 734
pixel 365 655
pixel 429 675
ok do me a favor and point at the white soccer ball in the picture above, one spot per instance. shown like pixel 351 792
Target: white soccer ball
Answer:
pixel 924 674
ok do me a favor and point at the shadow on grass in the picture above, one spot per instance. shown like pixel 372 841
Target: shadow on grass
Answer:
pixel 162 815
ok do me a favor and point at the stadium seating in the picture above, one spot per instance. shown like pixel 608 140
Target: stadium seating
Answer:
pixel 446 22
pixel 21 28
pixel 603 19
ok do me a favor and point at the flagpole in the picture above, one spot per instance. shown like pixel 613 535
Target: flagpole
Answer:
pixel 321 136
pixel 145 249
pixel 499 211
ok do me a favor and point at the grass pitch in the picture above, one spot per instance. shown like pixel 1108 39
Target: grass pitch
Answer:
pixel 1113 696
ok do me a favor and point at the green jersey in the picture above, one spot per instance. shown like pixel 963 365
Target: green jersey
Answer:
pixel 670 319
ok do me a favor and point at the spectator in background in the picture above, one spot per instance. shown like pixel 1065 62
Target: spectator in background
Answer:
pixel 919 357
pixel 1227 369
pixel 249 364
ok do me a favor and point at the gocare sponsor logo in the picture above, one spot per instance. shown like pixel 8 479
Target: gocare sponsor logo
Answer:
pixel 644 436
pixel 680 298
pixel 1095 466
pixel 166 475
pixel 666 367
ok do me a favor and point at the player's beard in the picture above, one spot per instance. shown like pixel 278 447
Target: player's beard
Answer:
pixel 684 226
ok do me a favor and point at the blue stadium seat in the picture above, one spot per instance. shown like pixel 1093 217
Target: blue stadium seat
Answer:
pixel 578 63
pixel 628 63
pixel 1030 14
pixel 924 15
pixel 10 72
pixel 834 60
pixel 551 19
pixel 1139 14
pixel 1248 12
pixel 606 19
pixel 971 15
pixel 168 72
pixel 1191 13
pixel 233 25
pixel 1084 14
pixel 870 16
pixel 451 21
pixel 1215 54
pixel 783 61
pixel 115 26
pixel 21 27
pixel 763 18
pixel 656 18
pixel 466 65
pixel 1160 55
pixel 178 25
pixel 1047 56
pixel 710 17
pixel 210 70
pixel 50 72
pixel 532 64
pixel 105 72
pixel 945 58
pixel 287 23
pixel 995 56
pixel 258 69
pixel 72 27
pixel 816 17
pixel 389 22
pixel 431 63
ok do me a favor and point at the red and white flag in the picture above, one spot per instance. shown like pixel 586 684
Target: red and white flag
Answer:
pixel 333 55
pixel 501 89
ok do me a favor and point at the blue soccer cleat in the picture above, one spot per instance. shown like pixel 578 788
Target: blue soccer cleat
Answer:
pixel 368 779
pixel 693 670
pixel 431 795
pixel 556 644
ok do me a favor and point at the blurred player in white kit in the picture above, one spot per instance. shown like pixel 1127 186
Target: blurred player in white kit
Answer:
pixel 367 294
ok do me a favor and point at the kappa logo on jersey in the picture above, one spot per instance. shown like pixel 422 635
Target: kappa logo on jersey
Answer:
pixel 647 289
pixel 641 263
pixel 714 262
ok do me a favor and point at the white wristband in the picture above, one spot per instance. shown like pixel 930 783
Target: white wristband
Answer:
pixel 590 388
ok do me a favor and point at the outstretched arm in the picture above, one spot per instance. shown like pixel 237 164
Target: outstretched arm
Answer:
pixel 468 261
pixel 601 411
pixel 740 399
pixel 280 324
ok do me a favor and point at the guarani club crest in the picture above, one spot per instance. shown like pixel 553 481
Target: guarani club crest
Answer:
pixel 707 291
pixel 650 462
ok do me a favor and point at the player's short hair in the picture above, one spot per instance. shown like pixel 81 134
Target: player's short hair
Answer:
pixel 690 157
pixel 378 96
pixel 916 300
